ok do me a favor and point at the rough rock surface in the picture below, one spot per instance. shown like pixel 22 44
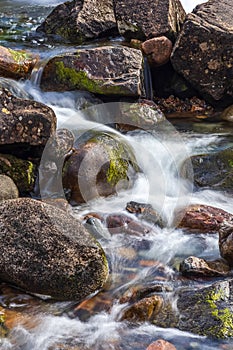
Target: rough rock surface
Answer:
pixel 203 51
pixel 200 267
pixel 44 255
pixel 81 20
pixel 107 70
pixel 158 50
pixel 99 167
pixel 16 64
pixel 144 19
pixel 8 189
pixel 24 121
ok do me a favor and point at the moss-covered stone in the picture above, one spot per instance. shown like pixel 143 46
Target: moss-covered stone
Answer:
pixel 22 172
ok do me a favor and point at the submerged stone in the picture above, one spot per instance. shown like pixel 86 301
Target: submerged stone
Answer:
pixel 47 251
pixel 107 70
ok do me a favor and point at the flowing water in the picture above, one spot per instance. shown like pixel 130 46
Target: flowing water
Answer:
pixel 42 324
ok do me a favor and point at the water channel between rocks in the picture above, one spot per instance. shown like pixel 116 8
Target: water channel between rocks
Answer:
pixel 38 324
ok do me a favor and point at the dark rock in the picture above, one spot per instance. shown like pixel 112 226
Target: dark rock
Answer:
pixel 145 212
pixel 213 170
pixel 107 70
pixel 99 167
pixel 8 189
pixel 202 218
pixel 158 50
pixel 226 241
pixel 16 64
pixel 207 311
pixel 24 121
pixel 161 344
pixel 81 20
pixel 22 172
pixel 44 250
pixel 203 51
pixel 140 19
pixel 120 223
pixel 200 267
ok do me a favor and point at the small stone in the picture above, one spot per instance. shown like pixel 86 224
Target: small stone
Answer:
pixel 161 344
pixel 159 50
pixel 8 189
pixel 200 267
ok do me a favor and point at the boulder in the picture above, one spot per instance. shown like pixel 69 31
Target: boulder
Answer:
pixel 16 64
pixel 24 121
pixel 158 50
pixel 161 344
pixel 78 21
pixel 107 70
pixel 21 171
pixel 144 19
pixel 203 51
pixel 194 266
pixel 226 241
pixel 99 167
pixel 44 255
pixel 8 189
pixel 212 170
pixel 202 218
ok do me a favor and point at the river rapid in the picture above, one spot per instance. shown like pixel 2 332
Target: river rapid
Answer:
pixel 39 324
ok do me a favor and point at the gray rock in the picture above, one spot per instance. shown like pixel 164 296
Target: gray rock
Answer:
pixel 144 19
pixel 8 189
pixel 45 250
pixel 81 20
pixel 203 52
pixel 107 70
pixel 24 121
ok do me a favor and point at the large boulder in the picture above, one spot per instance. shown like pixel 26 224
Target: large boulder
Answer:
pixel 16 64
pixel 203 51
pixel 107 70
pixel 44 255
pixel 81 20
pixel 24 121
pixel 100 166
pixel 144 19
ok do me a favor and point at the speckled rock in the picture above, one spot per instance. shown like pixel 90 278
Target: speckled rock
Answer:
pixel 16 64
pixel 96 70
pixel 81 20
pixel 24 121
pixel 21 171
pixel 8 189
pixel 194 266
pixel 45 250
pixel 144 19
pixel 161 344
pixel 203 51
pixel 100 167
pixel 158 50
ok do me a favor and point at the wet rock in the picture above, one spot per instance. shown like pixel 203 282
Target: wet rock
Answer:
pixel 143 115
pixel 22 172
pixel 227 114
pixel 207 311
pixel 8 189
pixel 120 223
pixel 161 344
pixel 44 255
pixel 158 50
pixel 203 51
pixel 202 218
pixel 81 20
pixel 213 170
pixel 100 167
pixel 145 212
pixel 24 122
pixel 200 267
pixel 16 64
pixel 143 310
pixel 146 19
pixel 226 241
pixel 96 70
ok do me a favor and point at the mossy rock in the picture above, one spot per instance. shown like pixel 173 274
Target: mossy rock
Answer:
pixel 22 172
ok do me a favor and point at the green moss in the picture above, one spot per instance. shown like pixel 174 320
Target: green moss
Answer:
pixel 19 56
pixel 79 79
pixel 118 166
pixel 225 316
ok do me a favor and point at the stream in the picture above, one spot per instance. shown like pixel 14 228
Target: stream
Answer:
pixel 39 323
